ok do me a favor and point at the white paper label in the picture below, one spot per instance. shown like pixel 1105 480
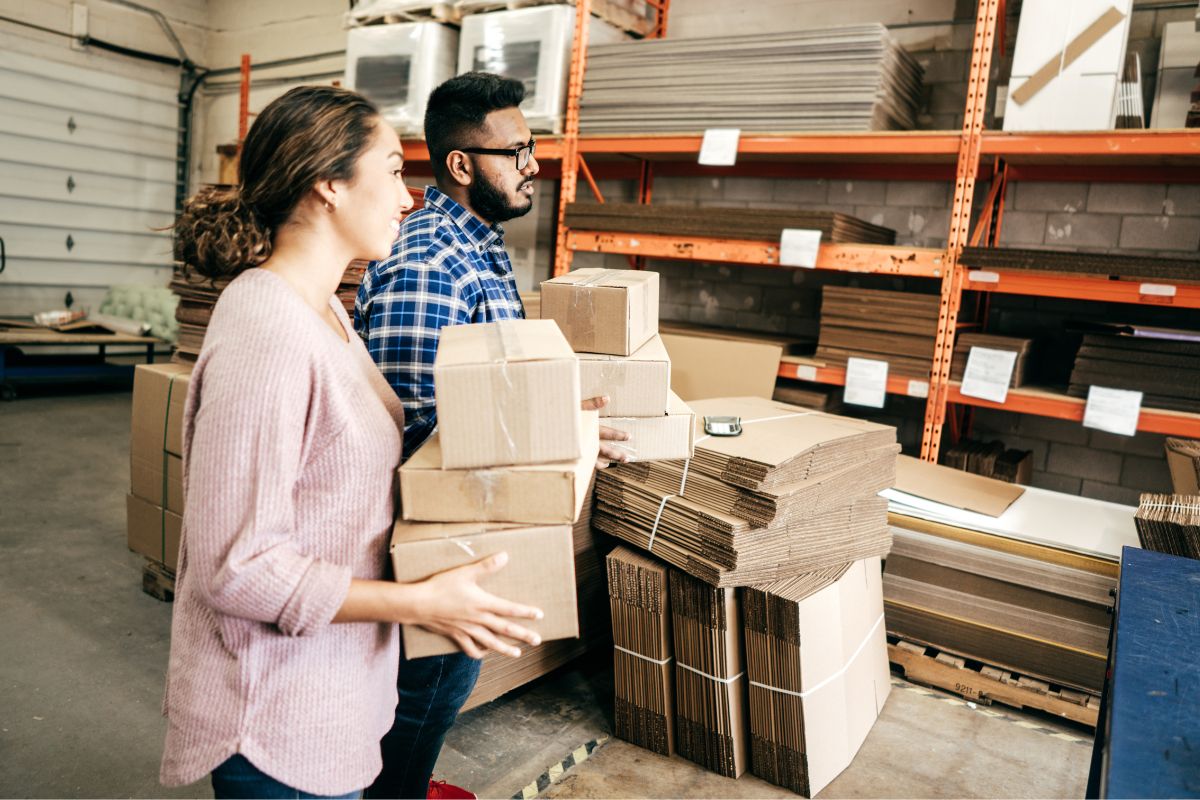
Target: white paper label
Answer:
pixel 1112 410
pixel 806 373
pixel 720 146
pixel 918 388
pixel 1157 289
pixel 988 373
pixel 798 247
pixel 866 382
pixel 983 276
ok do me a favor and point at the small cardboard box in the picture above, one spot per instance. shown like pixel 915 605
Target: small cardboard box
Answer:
pixel 637 386
pixel 530 493
pixel 540 572
pixel 612 311
pixel 153 532
pixel 146 480
pixel 507 393
pixel 159 392
pixel 658 438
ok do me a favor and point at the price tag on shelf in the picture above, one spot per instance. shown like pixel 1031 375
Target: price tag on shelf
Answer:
pixel 982 276
pixel 918 388
pixel 798 247
pixel 806 372
pixel 1112 410
pixel 720 147
pixel 866 382
pixel 1157 289
pixel 988 373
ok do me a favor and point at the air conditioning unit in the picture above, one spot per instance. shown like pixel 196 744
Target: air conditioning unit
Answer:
pixel 397 66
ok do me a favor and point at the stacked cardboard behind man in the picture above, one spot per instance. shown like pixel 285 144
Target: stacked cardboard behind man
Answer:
pixel 772 542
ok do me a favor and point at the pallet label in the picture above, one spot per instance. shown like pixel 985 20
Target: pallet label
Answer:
pixel 720 147
pixel 866 382
pixel 798 247
pixel 1112 410
pixel 988 373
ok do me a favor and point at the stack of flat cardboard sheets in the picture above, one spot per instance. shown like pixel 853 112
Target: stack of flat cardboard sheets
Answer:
pixel 1112 266
pixel 1012 344
pixel 1170 523
pixel 1162 364
pixel 896 327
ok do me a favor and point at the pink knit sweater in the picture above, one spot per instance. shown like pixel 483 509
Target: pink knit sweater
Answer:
pixel 291 441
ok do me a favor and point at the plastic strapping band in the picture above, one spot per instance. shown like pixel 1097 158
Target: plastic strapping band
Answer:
pixel 1175 506
pixel 746 422
pixel 832 677
pixel 658 517
pixel 725 681
pixel 162 511
pixel 644 658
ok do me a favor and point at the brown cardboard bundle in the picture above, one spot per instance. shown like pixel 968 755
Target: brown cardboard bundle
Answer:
pixel 153 531
pixel 710 676
pixel 644 707
pixel 809 395
pixel 1170 523
pixel 1162 363
pixel 657 438
pixel 1013 344
pixel 612 311
pixel 896 327
pixel 533 493
pixel 507 393
pixel 1183 459
pixel 540 571
pixel 816 659
pixel 637 385
pixel 991 460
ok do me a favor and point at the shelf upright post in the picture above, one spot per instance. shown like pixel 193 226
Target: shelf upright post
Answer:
pixel 244 100
pixel 986 18
pixel 570 140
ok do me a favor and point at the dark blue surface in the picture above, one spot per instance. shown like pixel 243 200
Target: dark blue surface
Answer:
pixel 1153 746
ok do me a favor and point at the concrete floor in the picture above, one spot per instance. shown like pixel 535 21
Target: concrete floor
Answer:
pixel 84 652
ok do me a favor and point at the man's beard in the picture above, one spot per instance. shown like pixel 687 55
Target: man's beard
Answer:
pixel 490 203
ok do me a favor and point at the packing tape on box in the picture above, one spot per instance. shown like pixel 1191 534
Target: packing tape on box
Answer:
pixel 480 487
pixel 659 661
pixel 502 346
pixel 162 506
pixel 582 318
pixel 725 681
pixel 862 646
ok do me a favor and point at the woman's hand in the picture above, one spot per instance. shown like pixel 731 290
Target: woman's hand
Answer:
pixel 608 452
pixel 453 604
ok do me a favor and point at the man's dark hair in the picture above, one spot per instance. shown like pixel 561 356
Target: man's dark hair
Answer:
pixel 458 107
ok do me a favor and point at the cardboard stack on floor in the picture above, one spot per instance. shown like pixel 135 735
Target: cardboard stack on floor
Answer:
pixel 896 327
pixel 508 469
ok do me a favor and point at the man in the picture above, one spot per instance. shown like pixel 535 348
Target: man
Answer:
pixel 449 267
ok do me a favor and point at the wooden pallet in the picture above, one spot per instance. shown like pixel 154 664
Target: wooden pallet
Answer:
pixel 158 581
pixel 984 684
pixel 419 12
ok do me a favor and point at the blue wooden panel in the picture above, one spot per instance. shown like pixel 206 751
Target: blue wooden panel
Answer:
pixel 1153 746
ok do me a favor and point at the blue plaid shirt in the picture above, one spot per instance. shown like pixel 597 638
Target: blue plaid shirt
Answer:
pixel 446 268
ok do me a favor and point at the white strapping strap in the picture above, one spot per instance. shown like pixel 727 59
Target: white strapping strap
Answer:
pixel 711 677
pixel 657 519
pixel 746 422
pixel 832 677
pixel 644 658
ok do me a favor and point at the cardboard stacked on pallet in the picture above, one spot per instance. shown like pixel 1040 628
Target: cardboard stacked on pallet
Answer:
pixel 610 318
pixel 1163 364
pixel 896 327
pixel 1183 459
pixel 817 663
pixel 991 460
pixel 846 78
pixel 1170 523
pixel 643 650
pixel 793 493
pixel 710 675
pixel 722 222
pixel 1012 344
pixel 154 505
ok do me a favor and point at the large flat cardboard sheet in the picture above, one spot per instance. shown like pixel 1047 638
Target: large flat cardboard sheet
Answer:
pixel 704 366
pixel 954 487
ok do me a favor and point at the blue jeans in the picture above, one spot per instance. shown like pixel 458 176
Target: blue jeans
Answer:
pixel 432 690
pixel 238 778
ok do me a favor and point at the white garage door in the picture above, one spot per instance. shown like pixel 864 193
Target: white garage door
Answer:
pixel 87 175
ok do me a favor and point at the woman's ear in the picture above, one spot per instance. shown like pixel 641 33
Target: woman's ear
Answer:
pixel 327 194
pixel 460 168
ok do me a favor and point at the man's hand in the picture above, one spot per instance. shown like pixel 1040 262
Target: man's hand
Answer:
pixel 608 452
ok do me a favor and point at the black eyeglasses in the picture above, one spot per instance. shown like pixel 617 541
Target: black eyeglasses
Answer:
pixel 521 154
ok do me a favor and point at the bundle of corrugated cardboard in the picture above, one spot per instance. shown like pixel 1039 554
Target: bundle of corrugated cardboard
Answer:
pixel 1183 459
pixel 1162 363
pixel 966 341
pixel 796 491
pixel 896 327
pixel 1170 523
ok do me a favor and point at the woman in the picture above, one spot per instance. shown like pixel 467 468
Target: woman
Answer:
pixel 284 650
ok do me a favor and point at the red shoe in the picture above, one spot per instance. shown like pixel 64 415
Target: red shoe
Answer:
pixel 447 791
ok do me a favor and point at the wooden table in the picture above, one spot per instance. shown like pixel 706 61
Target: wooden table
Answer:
pixel 13 338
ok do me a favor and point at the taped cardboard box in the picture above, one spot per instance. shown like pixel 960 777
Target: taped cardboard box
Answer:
pixel 658 438
pixel 532 493
pixel 540 572
pixel 638 385
pixel 816 659
pixel 152 531
pixel 146 480
pixel 507 393
pixel 612 311
pixel 159 392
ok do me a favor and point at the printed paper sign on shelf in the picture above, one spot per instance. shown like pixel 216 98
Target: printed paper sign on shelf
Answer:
pixel 866 382
pixel 720 147
pixel 798 247
pixel 1112 410
pixel 988 373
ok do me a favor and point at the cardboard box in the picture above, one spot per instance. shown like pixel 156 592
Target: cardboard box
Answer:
pixel 146 480
pixel 540 572
pixel 705 366
pixel 159 392
pixel 658 438
pixel 637 386
pixel 531 493
pixel 152 531
pixel 612 311
pixel 507 393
